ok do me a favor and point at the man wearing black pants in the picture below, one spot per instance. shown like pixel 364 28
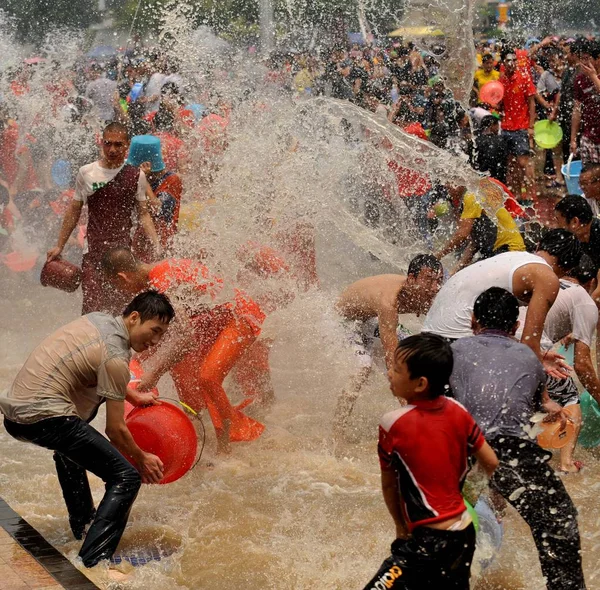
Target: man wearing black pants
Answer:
pixel 502 384
pixel 58 392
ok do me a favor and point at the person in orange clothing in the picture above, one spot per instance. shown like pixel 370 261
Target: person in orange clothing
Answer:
pixel 209 340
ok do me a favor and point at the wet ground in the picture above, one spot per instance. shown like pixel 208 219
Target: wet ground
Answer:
pixel 289 510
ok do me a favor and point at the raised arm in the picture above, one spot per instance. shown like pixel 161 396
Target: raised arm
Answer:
pixel 148 226
pixel 173 347
pixel 462 233
pixel 541 285
pixel 575 125
pixel 584 368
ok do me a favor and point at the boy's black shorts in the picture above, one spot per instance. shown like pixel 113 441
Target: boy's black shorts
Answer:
pixel 429 560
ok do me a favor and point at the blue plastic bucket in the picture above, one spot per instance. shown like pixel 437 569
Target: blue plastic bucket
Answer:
pixel 590 431
pixel 571 171
pixel 135 91
pixel 61 173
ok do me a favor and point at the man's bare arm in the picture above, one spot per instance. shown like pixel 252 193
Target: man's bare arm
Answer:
pixel 149 465
pixel 148 226
pixel 178 342
pixel 388 326
pixel 541 285
pixel 584 368
pixel 69 223
pixel 575 126
pixel 462 233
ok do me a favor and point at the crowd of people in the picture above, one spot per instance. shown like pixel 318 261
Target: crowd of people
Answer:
pixel 118 200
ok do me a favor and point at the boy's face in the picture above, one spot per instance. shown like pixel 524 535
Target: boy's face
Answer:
pixel 115 146
pixel 402 384
pixel 573 226
pixel 143 335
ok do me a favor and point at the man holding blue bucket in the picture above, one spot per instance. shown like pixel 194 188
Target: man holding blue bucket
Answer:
pixel 586 112
pixel 164 196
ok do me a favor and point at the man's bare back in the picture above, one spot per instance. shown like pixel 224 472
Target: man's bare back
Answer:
pixel 369 297
pixel 383 297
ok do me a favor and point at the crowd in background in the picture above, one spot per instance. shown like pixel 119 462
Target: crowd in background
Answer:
pixel 395 80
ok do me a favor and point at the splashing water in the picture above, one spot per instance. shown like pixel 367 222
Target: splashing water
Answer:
pixel 456 51
pixel 289 509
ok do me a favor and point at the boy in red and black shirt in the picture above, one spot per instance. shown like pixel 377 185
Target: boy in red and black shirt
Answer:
pixel 423 450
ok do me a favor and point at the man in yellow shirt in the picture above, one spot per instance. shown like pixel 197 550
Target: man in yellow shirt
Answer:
pixel 482 234
pixel 486 73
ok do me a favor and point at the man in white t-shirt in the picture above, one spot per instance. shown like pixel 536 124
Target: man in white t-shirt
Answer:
pixel 113 191
pixel 574 313
pixel 532 278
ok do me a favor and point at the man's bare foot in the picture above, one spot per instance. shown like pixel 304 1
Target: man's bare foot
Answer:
pixel 116 575
pixel 574 467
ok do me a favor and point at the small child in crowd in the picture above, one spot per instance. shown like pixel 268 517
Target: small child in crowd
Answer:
pixel 424 449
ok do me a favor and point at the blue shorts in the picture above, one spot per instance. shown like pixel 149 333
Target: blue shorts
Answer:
pixel 517 142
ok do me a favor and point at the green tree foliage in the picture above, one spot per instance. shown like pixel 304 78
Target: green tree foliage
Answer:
pixel 217 14
pixel 32 19
pixel 293 18
pixel 553 16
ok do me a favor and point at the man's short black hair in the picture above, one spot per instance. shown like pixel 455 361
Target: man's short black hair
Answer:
pixel 574 206
pixel 580 47
pixel 116 127
pixel 150 305
pixel 564 246
pixel 593 49
pixel 496 309
pixel 421 261
pixel 506 50
pixel 430 356
pixel 585 271
pixel 487 122
pixel 487 57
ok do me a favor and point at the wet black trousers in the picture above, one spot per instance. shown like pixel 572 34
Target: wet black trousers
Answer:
pixel 79 448
pixel 429 560
pixel 525 479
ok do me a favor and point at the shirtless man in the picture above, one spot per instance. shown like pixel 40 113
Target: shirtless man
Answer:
pixel 373 305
